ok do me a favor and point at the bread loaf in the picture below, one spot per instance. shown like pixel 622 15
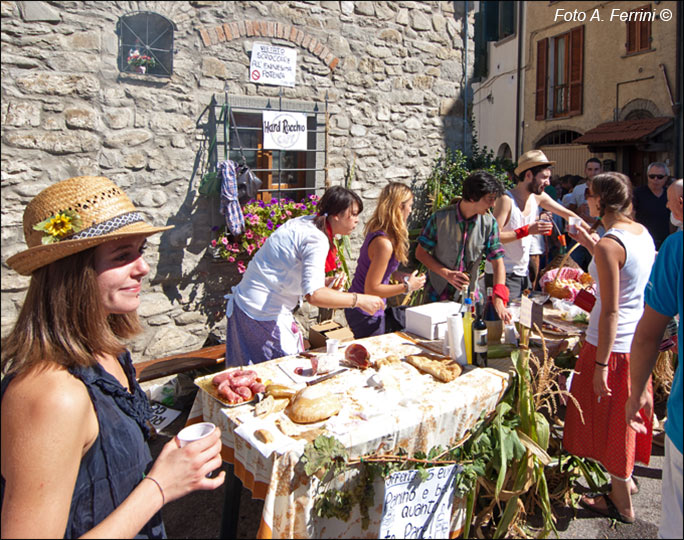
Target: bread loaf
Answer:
pixel 264 435
pixel 313 404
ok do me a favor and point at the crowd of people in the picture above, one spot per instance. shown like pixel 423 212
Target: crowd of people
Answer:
pixel 74 431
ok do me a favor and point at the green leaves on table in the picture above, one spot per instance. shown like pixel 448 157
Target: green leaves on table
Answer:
pixel 325 454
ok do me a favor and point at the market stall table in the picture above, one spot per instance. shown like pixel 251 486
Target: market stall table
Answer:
pixel 412 411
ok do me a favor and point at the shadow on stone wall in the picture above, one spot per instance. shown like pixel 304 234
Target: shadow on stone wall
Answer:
pixel 189 276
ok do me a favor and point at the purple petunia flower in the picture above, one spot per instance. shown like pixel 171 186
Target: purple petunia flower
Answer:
pixel 269 225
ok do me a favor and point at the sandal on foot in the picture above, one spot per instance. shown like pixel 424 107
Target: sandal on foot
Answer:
pixel 610 510
pixel 636 486
pixel 607 488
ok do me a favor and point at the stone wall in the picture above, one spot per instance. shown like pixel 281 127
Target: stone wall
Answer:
pixel 394 73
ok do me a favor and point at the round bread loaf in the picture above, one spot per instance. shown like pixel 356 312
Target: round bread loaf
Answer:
pixel 313 404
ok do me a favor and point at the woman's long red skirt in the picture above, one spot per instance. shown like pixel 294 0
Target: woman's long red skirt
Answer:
pixel 605 435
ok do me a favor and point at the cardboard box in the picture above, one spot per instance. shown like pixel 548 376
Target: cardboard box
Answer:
pixel 319 333
pixel 429 320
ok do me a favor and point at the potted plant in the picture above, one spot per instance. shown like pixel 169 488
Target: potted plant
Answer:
pixel 140 62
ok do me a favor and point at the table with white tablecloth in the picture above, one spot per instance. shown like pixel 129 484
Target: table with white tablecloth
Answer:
pixel 408 410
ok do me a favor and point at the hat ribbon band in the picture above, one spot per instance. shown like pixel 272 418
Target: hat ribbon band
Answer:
pixel 106 227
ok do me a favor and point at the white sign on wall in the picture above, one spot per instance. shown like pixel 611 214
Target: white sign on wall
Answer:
pixel 271 64
pixel 415 508
pixel 284 130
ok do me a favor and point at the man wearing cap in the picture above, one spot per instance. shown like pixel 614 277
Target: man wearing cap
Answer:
pixel 516 214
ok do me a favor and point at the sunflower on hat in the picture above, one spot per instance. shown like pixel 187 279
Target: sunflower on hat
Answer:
pixel 58 226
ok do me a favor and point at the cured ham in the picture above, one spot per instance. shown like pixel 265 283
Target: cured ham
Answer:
pixel 357 355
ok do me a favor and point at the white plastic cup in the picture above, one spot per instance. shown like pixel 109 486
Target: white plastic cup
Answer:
pixel 331 345
pixel 573 224
pixel 511 334
pixel 195 432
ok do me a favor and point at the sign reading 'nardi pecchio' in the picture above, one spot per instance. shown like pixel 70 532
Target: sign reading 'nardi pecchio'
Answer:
pixel 271 64
pixel 284 130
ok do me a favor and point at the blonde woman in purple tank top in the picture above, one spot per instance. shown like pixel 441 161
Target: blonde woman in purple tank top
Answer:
pixel 384 248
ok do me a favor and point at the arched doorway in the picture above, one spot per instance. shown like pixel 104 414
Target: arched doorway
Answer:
pixel 504 152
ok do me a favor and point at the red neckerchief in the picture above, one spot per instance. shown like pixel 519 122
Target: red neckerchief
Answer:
pixel 331 258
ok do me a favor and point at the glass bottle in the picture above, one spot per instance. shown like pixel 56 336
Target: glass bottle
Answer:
pixel 491 318
pixel 479 341
pixel 468 330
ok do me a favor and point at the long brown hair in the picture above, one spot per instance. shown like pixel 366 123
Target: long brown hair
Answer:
pixel 388 218
pixel 614 193
pixel 63 319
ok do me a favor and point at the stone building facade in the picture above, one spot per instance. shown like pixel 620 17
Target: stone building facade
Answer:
pixel 621 66
pixel 394 75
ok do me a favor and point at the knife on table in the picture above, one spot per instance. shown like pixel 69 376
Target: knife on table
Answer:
pixel 326 377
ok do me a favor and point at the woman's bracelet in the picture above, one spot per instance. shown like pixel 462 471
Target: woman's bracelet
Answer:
pixel 159 486
pixel 600 364
pixel 355 299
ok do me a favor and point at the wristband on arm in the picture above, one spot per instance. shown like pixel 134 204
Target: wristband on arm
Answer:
pixel 522 232
pixel 502 292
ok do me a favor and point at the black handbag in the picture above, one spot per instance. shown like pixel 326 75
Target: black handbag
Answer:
pixel 248 184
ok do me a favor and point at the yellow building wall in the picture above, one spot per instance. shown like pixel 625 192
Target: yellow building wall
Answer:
pixel 605 62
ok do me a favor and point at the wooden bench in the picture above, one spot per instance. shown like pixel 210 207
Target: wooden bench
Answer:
pixel 180 363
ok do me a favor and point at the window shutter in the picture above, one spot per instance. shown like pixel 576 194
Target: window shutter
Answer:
pixel 576 70
pixel 644 35
pixel 542 63
pixel 632 37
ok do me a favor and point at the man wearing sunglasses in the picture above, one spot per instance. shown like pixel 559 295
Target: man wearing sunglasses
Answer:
pixel 650 203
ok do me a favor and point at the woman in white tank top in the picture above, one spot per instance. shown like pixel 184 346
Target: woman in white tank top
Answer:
pixel 621 265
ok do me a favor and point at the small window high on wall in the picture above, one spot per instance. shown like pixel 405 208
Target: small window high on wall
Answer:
pixel 145 44
pixel 639 30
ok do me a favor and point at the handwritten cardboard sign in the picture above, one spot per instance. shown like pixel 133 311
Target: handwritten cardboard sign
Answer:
pixel 531 313
pixel 271 64
pixel 284 130
pixel 415 508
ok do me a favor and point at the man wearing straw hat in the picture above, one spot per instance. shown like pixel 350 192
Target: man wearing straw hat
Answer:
pixel 75 458
pixel 516 213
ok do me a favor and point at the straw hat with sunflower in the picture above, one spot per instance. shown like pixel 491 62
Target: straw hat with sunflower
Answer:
pixel 75 215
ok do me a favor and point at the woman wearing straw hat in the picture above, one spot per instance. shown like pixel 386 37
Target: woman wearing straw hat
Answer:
pixel 75 458
pixel 289 267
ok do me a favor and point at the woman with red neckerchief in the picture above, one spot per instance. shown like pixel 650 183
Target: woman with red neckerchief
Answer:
pixel 290 267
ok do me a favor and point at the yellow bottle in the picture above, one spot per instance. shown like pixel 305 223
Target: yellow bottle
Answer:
pixel 468 330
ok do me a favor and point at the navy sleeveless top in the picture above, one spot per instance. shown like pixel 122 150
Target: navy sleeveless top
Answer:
pixel 120 456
